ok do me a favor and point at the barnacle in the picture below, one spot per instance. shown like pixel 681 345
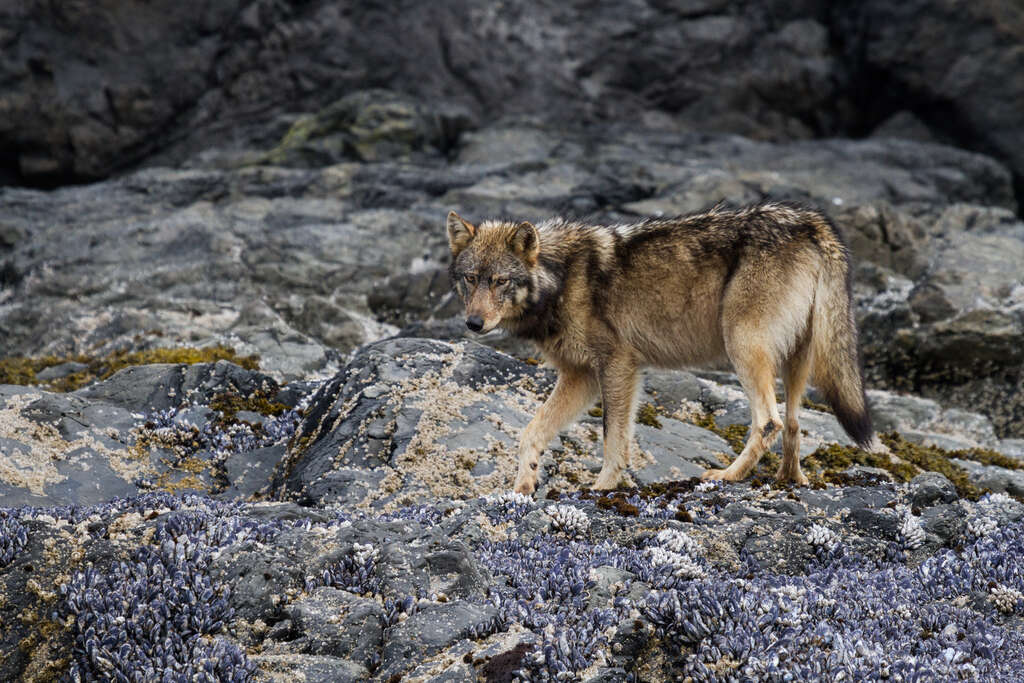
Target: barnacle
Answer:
pixel 568 519
pixel 1006 599
pixel 843 615
pixel 822 537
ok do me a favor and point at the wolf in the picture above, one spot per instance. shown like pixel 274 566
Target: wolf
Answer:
pixel 766 287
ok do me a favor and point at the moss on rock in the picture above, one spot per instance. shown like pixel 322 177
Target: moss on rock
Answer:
pixel 25 370
pixel 648 415
pixel 735 434
pixel 829 462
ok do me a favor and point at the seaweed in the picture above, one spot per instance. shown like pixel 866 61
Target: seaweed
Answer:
pixel 25 370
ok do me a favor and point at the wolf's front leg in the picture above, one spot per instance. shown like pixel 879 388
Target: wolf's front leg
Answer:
pixel 618 397
pixel 574 390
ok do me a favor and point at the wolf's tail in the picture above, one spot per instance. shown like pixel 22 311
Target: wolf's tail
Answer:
pixel 836 367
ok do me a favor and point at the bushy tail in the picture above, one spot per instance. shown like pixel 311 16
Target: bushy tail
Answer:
pixel 836 368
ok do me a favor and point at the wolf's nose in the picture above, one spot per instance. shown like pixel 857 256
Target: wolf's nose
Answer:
pixel 475 323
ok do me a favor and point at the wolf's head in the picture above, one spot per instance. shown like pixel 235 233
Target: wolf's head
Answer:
pixel 492 269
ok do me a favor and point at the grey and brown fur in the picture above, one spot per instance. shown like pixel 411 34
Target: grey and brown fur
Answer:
pixel 766 287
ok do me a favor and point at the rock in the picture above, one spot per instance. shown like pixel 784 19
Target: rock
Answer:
pixel 338 624
pixel 61 370
pixel 766 75
pixel 903 51
pixel 679 451
pixel 671 390
pixel 429 631
pixel 420 444
pixel 994 478
pixel 162 386
pixel 1012 447
pixel 250 472
pixel 369 125
pixel 944 521
pixel 308 668
pixel 930 488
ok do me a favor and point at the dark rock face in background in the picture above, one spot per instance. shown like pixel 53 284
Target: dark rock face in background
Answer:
pixel 92 88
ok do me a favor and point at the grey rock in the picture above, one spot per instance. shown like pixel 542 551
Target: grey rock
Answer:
pixel 778 545
pixel 370 433
pixel 935 73
pixel 929 488
pixel 163 386
pixel 946 522
pixel 430 630
pixel 993 477
pixel 338 624
pixel 251 472
pixel 606 577
pixel 61 370
pixel 453 674
pixel 1011 447
pixel 45 557
pixel 260 575
pixel 311 668
pixel 669 389
pixel 680 451
pixel 878 522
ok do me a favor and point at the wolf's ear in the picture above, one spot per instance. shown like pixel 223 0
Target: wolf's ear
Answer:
pixel 460 233
pixel 526 242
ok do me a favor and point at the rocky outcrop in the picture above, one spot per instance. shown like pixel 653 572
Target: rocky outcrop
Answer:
pixel 301 265
pixel 408 556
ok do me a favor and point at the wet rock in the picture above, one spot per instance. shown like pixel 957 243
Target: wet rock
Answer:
pixel 338 624
pixel 308 668
pixel 946 522
pixel 429 631
pixel 994 478
pixel 163 386
pixel 251 472
pixel 930 488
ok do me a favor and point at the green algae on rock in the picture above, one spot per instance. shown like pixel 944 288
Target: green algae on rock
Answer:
pixel 26 370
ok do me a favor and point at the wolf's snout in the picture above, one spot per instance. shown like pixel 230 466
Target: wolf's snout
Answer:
pixel 475 323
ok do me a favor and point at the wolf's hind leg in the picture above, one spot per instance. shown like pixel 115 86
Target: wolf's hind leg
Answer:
pixel 573 392
pixel 794 376
pixel 618 398
pixel 757 375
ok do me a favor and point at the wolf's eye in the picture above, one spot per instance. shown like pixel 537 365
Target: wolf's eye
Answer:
pixel 500 281
pixel 470 279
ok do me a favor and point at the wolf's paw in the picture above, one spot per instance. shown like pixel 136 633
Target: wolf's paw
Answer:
pixel 607 480
pixel 785 477
pixel 719 475
pixel 525 486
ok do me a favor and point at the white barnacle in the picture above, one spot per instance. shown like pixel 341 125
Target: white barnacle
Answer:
pixel 1005 598
pixel 508 497
pixel 822 537
pixel 682 565
pixel 677 541
pixel 911 532
pixel 568 519
pixel 998 499
pixel 363 552
pixel 706 486
pixel 980 527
